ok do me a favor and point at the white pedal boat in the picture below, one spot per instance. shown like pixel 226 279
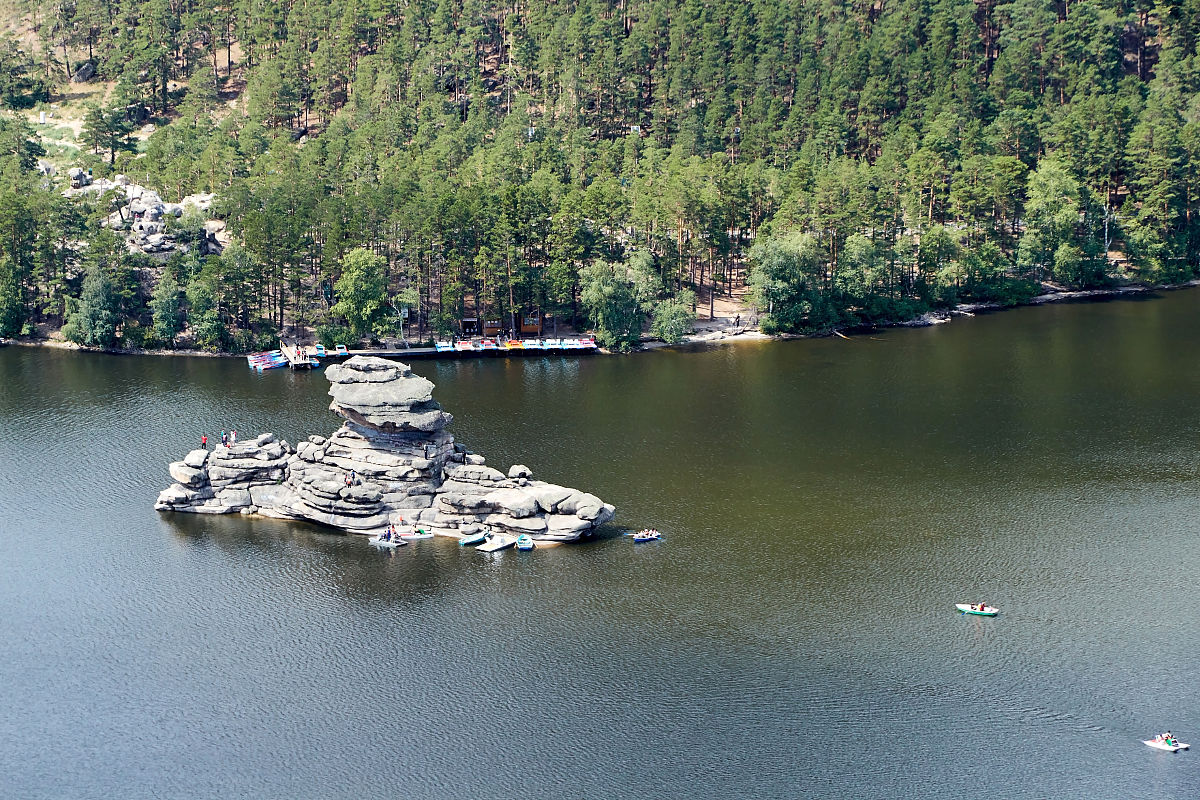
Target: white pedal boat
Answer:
pixel 1161 744
pixel 416 533
pixel 971 608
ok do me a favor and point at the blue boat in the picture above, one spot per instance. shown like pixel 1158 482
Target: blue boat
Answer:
pixel 473 539
pixel 524 542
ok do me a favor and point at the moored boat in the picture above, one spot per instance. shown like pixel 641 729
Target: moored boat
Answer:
pixel 499 541
pixel 524 542
pixel 473 539
pixel 978 609
pixel 416 533
pixel 379 541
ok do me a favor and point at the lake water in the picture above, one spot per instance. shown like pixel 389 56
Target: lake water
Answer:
pixel 824 504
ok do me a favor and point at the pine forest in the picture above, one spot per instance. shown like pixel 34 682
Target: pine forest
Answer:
pixel 388 168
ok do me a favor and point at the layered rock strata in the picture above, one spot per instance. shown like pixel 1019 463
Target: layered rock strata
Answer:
pixel 392 461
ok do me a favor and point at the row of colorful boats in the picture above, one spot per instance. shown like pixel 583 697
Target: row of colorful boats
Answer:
pixel 482 345
pixel 270 359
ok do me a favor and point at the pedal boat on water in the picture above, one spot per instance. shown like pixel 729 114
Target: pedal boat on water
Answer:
pixel 645 535
pixel 1161 742
pixel 979 610
pixel 379 541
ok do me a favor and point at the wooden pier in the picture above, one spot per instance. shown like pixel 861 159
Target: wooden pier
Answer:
pixel 298 358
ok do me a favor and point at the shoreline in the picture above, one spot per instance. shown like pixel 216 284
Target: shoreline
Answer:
pixel 729 334
pixel 929 318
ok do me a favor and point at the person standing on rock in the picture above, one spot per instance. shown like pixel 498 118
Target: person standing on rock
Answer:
pixel 224 439
pixel 232 438
pixel 204 440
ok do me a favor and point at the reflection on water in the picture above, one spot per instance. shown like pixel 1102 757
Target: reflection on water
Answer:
pixel 824 503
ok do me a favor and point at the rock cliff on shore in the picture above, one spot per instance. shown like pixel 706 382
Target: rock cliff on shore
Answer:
pixel 392 461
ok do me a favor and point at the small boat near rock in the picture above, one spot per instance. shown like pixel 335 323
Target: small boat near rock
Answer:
pixel 472 539
pixel 379 541
pixel 499 541
pixel 978 609
pixel 524 542
pixel 416 533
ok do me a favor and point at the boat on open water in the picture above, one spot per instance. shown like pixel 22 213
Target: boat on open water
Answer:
pixel 978 609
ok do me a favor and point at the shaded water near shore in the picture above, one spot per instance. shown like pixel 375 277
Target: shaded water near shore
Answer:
pixel 824 504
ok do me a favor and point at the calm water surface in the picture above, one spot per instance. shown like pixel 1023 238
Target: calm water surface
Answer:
pixel 824 504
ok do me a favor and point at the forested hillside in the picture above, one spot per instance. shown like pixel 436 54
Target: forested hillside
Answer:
pixel 617 162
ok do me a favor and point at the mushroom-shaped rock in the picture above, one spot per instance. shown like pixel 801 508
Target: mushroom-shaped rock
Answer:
pixel 391 460
pixel 384 395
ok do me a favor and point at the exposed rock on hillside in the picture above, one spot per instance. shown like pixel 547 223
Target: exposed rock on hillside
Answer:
pixel 142 214
pixel 392 461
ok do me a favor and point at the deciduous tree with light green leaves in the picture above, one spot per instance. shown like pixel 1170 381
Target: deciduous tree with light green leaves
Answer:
pixel 361 291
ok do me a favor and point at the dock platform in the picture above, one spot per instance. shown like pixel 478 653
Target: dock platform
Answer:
pixel 298 358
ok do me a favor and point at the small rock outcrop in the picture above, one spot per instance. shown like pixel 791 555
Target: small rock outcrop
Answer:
pixel 392 461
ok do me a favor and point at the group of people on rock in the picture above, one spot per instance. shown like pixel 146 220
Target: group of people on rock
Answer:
pixel 227 439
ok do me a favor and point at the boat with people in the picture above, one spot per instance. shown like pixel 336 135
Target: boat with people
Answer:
pixel 390 537
pixel 978 609
pixel 525 542
pixel 472 539
pixel 1166 741
pixel 645 535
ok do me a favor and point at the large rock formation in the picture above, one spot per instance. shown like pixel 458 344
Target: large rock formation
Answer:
pixel 392 461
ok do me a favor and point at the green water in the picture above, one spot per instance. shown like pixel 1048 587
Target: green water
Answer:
pixel 824 504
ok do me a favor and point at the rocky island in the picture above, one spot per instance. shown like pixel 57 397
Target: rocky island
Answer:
pixel 391 462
